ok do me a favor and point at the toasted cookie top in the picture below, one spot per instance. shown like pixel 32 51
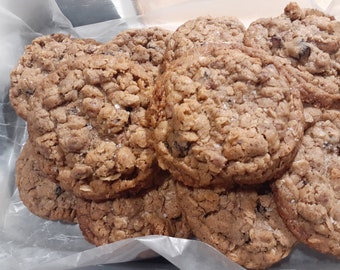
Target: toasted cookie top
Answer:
pixel 308 194
pixel 225 115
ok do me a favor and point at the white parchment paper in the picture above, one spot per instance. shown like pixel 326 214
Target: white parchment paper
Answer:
pixel 29 242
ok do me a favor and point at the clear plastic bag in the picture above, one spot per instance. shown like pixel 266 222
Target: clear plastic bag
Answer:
pixel 29 242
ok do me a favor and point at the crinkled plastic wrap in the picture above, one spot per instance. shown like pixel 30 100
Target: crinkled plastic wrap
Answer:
pixel 29 242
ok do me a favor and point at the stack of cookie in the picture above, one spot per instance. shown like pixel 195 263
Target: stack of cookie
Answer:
pixel 89 156
pixel 215 131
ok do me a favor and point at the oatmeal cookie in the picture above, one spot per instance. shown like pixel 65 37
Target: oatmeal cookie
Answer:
pixel 96 129
pixel 36 69
pixel 224 115
pixel 310 41
pixel 154 211
pixel 308 195
pixel 202 30
pixel 39 193
pixel 242 224
pixel 89 116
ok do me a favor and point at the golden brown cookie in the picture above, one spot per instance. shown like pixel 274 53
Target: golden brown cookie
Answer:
pixel 242 224
pixel 39 193
pixel 153 211
pixel 308 195
pixel 310 41
pixel 88 116
pixel 97 131
pixel 225 115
